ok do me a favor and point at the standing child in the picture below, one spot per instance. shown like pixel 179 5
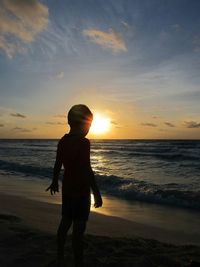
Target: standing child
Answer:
pixel 73 152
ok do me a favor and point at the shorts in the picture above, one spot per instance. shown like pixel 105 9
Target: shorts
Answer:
pixel 77 208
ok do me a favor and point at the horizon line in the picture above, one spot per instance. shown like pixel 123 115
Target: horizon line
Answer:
pixel 140 139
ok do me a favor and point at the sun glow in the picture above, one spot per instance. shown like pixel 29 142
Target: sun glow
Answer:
pixel 100 124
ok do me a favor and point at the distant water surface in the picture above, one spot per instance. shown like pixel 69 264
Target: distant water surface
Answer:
pixel 158 171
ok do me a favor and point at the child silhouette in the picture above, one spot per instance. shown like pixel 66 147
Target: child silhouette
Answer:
pixel 73 152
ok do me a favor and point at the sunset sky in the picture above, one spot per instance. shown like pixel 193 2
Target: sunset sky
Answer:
pixel 135 62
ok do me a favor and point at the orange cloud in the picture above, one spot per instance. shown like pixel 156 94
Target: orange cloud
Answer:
pixel 24 130
pixel 55 123
pixel 169 124
pixel 108 40
pixel 60 116
pixel 192 124
pixel 149 124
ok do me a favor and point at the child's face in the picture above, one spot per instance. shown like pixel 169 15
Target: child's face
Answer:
pixel 84 128
pixel 81 129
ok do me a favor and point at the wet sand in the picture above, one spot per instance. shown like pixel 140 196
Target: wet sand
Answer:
pixel 30 241
pixel 28 228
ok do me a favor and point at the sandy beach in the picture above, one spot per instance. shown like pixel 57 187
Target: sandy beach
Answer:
pixel 28 229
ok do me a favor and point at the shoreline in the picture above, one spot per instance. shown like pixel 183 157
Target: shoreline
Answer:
pixel 19 194
pixel 165 224
pixel 28 234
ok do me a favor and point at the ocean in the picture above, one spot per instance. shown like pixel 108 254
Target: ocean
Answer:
pixel 164 172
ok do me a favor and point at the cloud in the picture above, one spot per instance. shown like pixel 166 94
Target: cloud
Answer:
pixel 1 125
pixel 10 48
pixel 125 24
pixel 169 124
pixel 24 130
pixel 155 117
pixel 19 115
pixel 55 123
pixel 20 22
pixel 149 124
pixel 114 122
pixel 60 116
pixel 107 40
pixel 60 75
pixel 192 124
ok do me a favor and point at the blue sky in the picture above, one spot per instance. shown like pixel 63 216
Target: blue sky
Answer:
pixel 136 62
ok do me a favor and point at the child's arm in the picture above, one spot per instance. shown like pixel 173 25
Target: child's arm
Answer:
pixel 54 187
pixel 86 161
pixel 97 196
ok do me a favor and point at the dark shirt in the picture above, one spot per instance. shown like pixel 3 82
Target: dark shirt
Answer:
pixel 74 153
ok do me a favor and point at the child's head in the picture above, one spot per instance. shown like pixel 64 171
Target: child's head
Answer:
pixel 80 118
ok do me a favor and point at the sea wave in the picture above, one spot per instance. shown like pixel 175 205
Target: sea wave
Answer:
pixel 167 156
pixel 161 153
pixel 25 169
pixel 172 194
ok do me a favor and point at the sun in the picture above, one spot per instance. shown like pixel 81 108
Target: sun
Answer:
pixel 100 124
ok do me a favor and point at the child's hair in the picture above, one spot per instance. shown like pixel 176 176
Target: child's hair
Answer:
pixel 79 114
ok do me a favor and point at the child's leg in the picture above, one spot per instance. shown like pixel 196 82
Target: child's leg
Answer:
pixel 61 235
pixel 77 241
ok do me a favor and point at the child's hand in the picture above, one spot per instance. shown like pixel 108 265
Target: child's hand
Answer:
pixel 98 202
pixel 54 187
